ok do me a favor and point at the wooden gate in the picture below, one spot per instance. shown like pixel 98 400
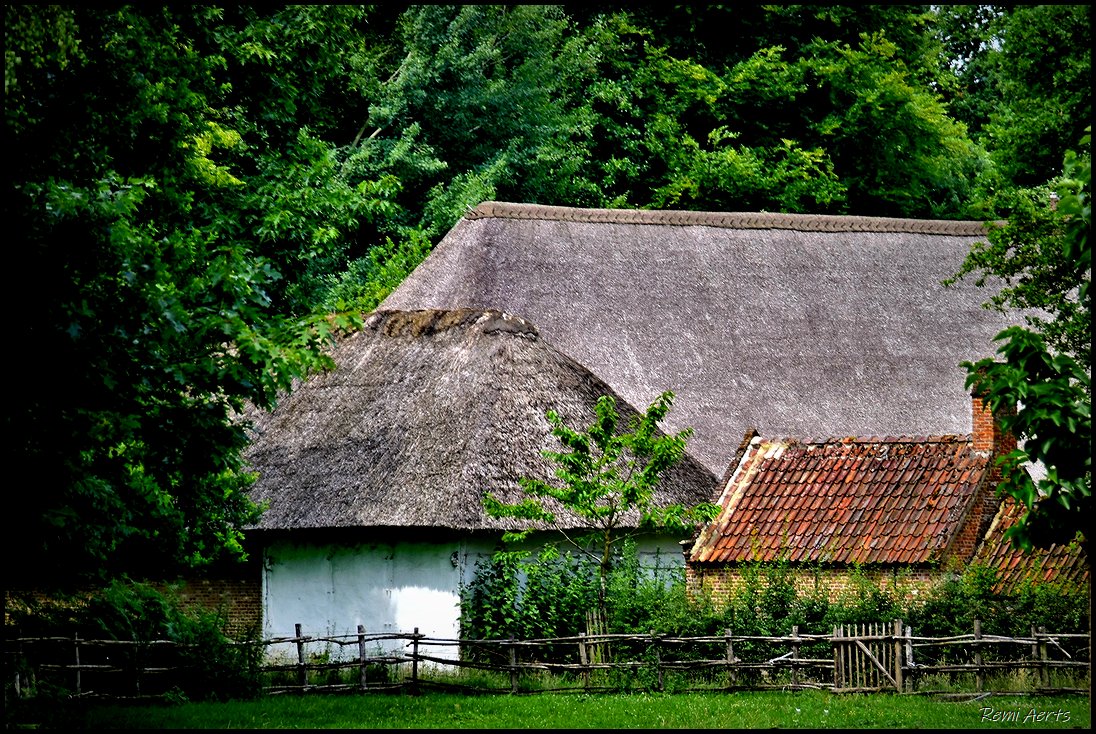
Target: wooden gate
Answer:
pixel 867 657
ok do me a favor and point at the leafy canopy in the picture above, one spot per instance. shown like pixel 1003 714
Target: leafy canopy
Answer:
pixel 1040 388
pixel 160 184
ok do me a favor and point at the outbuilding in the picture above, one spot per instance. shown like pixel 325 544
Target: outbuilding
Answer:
pixel 373 474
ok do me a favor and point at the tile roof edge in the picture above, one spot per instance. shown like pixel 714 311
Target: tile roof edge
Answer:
pixel 838 440
pixel 749 435
pixel 728 220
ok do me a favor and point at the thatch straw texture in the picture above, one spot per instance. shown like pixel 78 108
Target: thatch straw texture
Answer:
pixel 424 413
pixel 793 324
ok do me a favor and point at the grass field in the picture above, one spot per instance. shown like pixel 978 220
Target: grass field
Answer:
pixel 761 710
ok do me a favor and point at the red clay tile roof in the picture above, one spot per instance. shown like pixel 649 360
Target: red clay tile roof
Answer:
pixel 1057 564
pixel 850 500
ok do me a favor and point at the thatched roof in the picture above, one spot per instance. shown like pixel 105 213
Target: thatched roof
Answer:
pixel 793 324
pixel 424 413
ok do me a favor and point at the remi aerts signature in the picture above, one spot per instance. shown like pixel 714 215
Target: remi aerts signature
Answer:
pixel 1023 715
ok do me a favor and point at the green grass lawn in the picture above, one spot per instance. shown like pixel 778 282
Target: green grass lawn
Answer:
pixel 754 710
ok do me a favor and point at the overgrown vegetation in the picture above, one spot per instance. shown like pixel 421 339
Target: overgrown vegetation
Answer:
pixel 605 476
pixel 646 603
pixel 548 597
pixel 210 665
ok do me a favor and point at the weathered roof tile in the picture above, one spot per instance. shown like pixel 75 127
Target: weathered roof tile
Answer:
pixel 1061 563
pixel 871 500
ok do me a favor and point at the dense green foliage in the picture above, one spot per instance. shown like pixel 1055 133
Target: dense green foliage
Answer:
pixel 1040 388
pixel 202 195
pixel 160 190
pixel 1043 76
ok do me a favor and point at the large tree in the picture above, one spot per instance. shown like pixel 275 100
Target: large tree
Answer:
pixel 1040 385
pixel 1021 82
pixel 164 165
pixel 826 109
pixel 1044 90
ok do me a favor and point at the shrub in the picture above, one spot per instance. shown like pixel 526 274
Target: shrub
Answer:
pixel 547 596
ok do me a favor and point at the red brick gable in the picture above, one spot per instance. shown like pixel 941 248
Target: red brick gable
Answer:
pixel 904 500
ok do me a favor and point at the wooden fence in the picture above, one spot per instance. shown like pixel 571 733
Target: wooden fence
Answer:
pixel 853 658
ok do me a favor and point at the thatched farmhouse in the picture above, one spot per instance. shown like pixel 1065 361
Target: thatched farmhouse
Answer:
pixel 901 511
pixel 797 325
pixel 373 474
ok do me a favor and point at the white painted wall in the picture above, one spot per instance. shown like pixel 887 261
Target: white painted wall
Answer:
pixel 389 587
pixel 329 589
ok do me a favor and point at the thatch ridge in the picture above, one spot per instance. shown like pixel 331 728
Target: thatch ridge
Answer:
pixel 424 412
pixel 731 220
pixel 428 322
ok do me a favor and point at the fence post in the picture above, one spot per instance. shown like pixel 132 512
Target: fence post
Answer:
pixel 362 682
pixel 76 650
pixel 658 659
pixel 1044 673
pixel 861 677
pixel 837 666
pixel 909 657
pixel 898 667
pixel 513 666
pixel 795 654
pixel 732 672
pixel 19 657
pixel 138 656
pixel 302 672
pixel 415 661
pixel 582 659
pixel 979 675
pixel 1035 650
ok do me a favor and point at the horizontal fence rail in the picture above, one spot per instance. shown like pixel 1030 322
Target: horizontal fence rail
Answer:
pixel 862 658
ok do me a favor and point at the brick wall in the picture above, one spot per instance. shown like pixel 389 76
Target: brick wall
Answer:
pixel 239 600
pixel 977 521
pixel 720 582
